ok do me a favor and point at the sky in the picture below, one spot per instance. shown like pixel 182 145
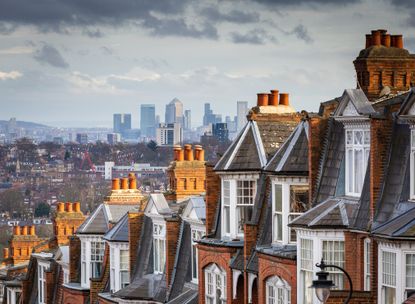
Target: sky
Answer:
pixel 75 63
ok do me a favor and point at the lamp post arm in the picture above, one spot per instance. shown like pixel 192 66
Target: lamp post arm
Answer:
pixel 348 277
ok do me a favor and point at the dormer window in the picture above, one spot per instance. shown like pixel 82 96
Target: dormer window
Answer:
pixel 412 163
pixel 357 155
pixel 237 205
pixel 159 247
pixel 119 266
pixel 42 283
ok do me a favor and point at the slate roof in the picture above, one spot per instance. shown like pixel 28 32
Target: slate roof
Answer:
pixel 196 204
pixel 292 157
pixel 402 226
pixel 359 100
pixel 283 251
pixel 255 144
pixel 334 213
pixel 160 202
pixel 118 233
pixel 105 214
pixel 237 261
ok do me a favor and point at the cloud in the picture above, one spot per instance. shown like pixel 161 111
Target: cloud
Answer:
pixel 93 33
pixel 84 82
pixel 17 50
pixel 10 75
pixel 255 36
pixel 48 54
pixel 299 2
pixel 301 32
pixel 234 16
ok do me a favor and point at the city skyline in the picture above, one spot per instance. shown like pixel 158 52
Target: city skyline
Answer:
pixel 231 54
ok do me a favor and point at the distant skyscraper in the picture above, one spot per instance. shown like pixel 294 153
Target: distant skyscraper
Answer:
pixel 122 123
pixel 148 120
pixel 187 124
pixel 220 132
pixel 242 110
pixel 209 117
pixel 82 138
pixel 113 138
pixel 174 112
pixel 169 134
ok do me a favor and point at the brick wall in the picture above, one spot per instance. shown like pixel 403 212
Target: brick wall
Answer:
pixel 135 223
pixel 73 296
pixel 74 259
pixel 269 266
pixel 50 284
pixel 172 236
pixel 98 284
pixel 220 256
pixel 358 297
pixel 213 188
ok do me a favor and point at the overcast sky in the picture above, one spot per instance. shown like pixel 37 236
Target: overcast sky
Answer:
pixel 77 62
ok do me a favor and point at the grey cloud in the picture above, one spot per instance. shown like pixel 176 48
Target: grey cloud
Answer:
pixel 7 28
pixel 234 16
pixel 273 3
pixel 106 50
pixel 255 36
pixel 93 33
pixel 48 54
pixel 408 5
pixel 302 33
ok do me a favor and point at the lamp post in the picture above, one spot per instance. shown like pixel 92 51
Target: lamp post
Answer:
pixel 322 285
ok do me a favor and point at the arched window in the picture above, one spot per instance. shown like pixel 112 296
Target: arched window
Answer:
pixel 278 291
pixel 215 285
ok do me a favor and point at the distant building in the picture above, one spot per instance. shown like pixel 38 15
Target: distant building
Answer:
pixel 209 117
pixel 174 112
pixel 242 111
pixel 113 138
pixel 169 134
pixel 82 138
pixel 220 132
pixel 187 123
pixel 148 120
pixel 122 123
pixel 58 140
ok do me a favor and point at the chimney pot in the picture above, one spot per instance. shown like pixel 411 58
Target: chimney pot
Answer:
pixel 24 230
pixel 77 207
pixel 69 207
pixel 176 151
pixel 386 40
pixel 5 253
pixel 399 41
pixel 181 155
pixel 376 38
pixel 61 207
pixel 188 155
pixel 132 181
pixel 124 183
pixel 368 40
pixel 197 151
pixel 273 98
pixel 16 230
pixel 262 99
pixel 32 230
pixel 284 99
pixel 115 184
pixel 201 155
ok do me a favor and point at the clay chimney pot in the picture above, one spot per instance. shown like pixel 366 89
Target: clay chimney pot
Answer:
pixel 368 40
pixel 24 230
pixel 77 207
pixel 61 207
pixel 188 152
pixel 115 184
pixel 32 230
pixel 5 253
pixel 284 99
pixel 176 151
pixel 376 38
pixel 181 155
pixel 399 41
pixel 69 207
pixel 16 230
pixel 262 99
pixel 386 40
pixel 132 182
pixel 201 155
pixel 124 183
pixel 273 98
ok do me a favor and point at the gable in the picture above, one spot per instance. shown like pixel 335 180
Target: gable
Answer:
pixel 350 110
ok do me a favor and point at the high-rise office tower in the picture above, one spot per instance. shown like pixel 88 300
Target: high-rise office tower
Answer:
pixel 169 134
pixel 242 110
pixel 187 124
pixel 174 112
pixel 220 132
pixel 122 123
pixel 208 115
pixel 148 120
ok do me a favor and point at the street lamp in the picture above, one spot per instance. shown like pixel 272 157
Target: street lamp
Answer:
pixel 322 285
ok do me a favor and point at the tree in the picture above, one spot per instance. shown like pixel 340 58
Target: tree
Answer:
pixel 42 209
pixel 12 201
pixel 152 145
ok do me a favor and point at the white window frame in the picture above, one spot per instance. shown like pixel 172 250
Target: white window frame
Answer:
pixel 305 269
pixel 335 256
pixel 159 246
pixel 12 293
pixel 233 203
pixel 317 237
pixel 65 275
pixel 196 234
pixel 86 257
pixel 215 280
pixel 412 164
pixel 277 291
pixel 367 263
pixel 284 215
pixel 41 282
pixel 353 147
pixel 116 269
pixel 386 282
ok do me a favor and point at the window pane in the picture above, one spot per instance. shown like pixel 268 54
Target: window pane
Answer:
pixel 359 170
pixel 358 137
pixel 278 226
pixel 350 171
pixel 349 137
pixel 410 271
pixel 278 198
pixel 227 219
pixel 244 214
pixel 298 198
pixel 333 253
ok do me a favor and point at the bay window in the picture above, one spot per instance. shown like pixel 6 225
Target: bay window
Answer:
pixel 388 278
pixel 97 256
pixel 237 205
pixel 412 164
pixel 277 291
pixel 92 256
pixel 215 285
pixel 357 155
pixel 124 268
pixel 333 253
pixel 159 247
pixel 306 270
pixel 289 201
pixel 119 266
pixel 409 274
pixel 196 235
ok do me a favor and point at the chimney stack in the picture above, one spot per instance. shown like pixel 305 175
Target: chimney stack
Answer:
pixel 262 99
pixel 376 38
pixel 77 207
pixel 284 99
pixel 61 207
pixel 16 230
pixel 132 181
pixel 5 253
pixel 69 207
pixel 124 183
pixel 115 184
pixel 24 230
pixel 273 98
pixel 32 230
